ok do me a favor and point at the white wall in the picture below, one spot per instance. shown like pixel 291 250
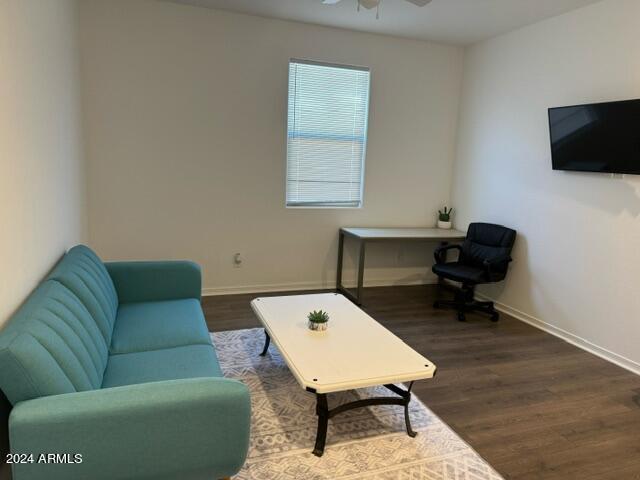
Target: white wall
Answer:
pixel 576 266
pixel 41 184
pixel 186 117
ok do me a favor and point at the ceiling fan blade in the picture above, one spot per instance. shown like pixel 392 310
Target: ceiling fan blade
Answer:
pixel 420 3
pixel 369 3
pixel 330 2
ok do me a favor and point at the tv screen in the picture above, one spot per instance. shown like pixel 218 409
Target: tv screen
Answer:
pixel 600 137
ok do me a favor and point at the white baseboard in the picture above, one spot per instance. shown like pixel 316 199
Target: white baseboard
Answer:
pixel 271 287
pixel 296 286
pixel 569 337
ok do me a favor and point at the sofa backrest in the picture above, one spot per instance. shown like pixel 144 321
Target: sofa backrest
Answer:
pixel 51 345
pixel 82 272
pixel 58 341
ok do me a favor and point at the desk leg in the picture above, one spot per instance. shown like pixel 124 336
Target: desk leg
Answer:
pixel 361 272
pixel 339 287
pixel 340 256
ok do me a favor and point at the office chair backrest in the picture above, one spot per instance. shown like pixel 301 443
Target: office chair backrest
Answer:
pixel 486 241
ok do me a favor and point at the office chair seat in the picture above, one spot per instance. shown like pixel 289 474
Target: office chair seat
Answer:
pixel 459 272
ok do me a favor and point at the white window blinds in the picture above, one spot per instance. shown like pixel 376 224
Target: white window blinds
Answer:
pixel 326 134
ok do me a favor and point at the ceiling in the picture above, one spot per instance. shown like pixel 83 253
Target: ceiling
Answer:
pixel 460 22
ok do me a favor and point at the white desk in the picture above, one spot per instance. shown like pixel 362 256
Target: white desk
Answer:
pixel 365 235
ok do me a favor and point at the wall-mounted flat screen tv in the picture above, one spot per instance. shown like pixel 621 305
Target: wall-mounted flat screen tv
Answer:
pixel 599 137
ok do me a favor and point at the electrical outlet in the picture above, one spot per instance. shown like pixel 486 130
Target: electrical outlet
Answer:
pixel 237 260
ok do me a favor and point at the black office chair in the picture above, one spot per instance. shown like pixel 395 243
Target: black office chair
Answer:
pixel 483 257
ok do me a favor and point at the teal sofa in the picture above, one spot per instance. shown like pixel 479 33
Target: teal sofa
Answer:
pixel 114 362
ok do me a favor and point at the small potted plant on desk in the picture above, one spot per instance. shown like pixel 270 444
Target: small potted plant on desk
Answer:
pixel 444 218
pixel 318 320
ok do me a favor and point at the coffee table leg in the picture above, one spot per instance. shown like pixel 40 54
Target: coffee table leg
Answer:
pixel 267 341
pixel 407 419
pixel 322 410
pixel 406 399
pixel 324 414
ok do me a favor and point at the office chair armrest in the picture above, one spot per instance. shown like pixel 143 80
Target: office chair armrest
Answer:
pixel 440 252
pixel 490 265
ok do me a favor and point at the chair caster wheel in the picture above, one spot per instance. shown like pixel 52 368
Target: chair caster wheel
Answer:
pixel 495 317
pixel 461 317
pixel 436 304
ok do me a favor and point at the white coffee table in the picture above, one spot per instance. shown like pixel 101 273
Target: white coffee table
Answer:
pixel 354 352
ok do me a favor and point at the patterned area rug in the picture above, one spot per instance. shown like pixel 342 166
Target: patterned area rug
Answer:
pixel 369 443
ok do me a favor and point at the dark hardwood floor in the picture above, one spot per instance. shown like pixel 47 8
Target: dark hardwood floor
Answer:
pixel 532 405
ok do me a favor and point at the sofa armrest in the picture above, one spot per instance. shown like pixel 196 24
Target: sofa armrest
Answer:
pixel 152 281
pixel 193 428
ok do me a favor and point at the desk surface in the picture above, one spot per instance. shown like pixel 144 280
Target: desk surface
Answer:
pixel 404 233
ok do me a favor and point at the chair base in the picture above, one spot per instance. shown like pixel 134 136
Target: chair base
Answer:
pixel 464 302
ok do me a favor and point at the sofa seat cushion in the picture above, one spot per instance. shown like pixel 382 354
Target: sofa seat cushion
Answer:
pixel 158 325
pixel 460 272
pixel 157 365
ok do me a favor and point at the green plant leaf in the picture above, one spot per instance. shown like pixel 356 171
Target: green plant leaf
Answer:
pixel 318 316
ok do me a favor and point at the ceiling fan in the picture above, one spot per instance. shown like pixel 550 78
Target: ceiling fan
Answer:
pixel 376 3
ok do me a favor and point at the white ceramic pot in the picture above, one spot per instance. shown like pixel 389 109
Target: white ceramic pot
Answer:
pixel 444 225
pixel 318 326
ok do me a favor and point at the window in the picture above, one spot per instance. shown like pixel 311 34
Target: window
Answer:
pixel 326 134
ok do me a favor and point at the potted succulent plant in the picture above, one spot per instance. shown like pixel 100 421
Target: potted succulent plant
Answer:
pixel 318 320
pixel 444 218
